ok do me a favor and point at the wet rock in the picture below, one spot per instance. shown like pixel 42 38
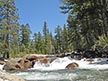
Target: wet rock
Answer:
pixel 90 60
pixel 44 60
pixel 72 66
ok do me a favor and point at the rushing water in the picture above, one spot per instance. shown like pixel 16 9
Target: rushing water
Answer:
pixel 65 75
pixel 55 71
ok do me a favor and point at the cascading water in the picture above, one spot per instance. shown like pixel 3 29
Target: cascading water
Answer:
pixel 59 63
pixel 55 71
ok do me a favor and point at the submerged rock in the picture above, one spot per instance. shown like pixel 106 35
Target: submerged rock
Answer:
pixel 72 65
pixel 4 76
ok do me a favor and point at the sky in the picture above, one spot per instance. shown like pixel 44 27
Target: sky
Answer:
pixel 35 12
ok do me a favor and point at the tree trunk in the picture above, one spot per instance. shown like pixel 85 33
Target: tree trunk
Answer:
pixel 6 55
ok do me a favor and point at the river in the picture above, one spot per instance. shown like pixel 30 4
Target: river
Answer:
pixel 55 71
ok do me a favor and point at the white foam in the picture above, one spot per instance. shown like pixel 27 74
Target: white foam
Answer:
pixel 1 67
pixel 61 63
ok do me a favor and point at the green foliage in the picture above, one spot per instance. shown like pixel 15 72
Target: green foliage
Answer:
pixel 87 26
pixel 47 40
pixel 25 35
pixel 103 41
pixel 8 25
pixel 58 39
pixel 87 21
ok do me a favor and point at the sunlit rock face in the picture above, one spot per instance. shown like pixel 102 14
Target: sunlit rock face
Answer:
pixel 72 66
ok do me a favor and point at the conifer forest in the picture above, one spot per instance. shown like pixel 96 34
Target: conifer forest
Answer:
pixel 86 28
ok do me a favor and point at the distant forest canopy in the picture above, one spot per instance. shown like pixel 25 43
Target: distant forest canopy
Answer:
pixel 86 28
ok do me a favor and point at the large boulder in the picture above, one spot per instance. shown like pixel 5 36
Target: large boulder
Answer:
pixel 72 65
pixel 31 57
pixel 37 58
pixel 4 76
pixel 34 57
pixel 44 60
pixel 17 64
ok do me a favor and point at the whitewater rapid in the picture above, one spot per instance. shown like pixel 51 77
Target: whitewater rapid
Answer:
pixel 55 71
pixel 61 63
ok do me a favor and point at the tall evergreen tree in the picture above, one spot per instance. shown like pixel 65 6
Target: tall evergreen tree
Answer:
pixel 65 39
pixel 40 44
pixel 9 25
pixel 25 36
pixel 47 38
pixel 91 17
pixel 58 40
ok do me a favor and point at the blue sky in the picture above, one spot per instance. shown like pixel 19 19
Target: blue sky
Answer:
pixel 35 12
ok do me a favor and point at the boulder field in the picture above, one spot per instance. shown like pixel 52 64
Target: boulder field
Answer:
pixel 28 61
pixel 25 62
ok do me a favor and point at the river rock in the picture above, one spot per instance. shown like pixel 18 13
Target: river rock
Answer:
pixel 34 57
pixel 17 64
pixel 31 57
pixel 2 62
pixel 90 60
pixel 72 65
pixel 4 76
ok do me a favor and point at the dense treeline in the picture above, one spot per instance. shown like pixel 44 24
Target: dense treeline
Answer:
pixel 87 23
pixel 86 28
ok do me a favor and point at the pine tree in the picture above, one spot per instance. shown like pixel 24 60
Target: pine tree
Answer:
pixel 40 44
pixel 25 36
pixel 58 40
pixel 9 25
pixel 47 39
pixel 65 39
pixel 91 17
